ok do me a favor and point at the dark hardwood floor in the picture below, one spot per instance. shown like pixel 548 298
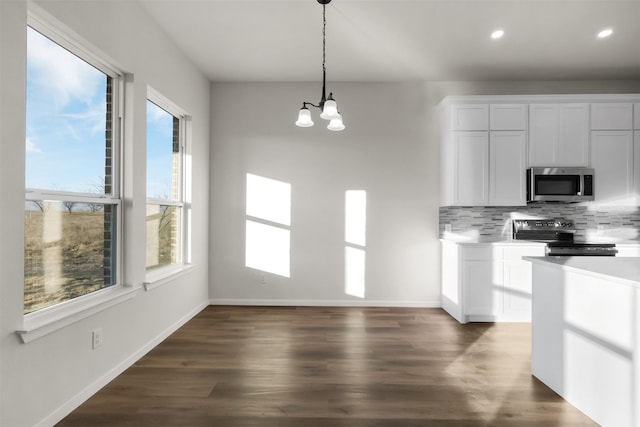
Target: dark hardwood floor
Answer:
pixel 311 366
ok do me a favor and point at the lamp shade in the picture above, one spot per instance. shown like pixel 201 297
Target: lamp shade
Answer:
pixel 304 118
pixel 336 124
pixel 330 110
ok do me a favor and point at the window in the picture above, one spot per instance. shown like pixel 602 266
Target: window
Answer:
pixel 72 204
pixel 165 184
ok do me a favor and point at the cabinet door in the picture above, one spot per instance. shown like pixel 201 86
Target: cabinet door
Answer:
pixel 612 116
pixel 636 116
pixel 636 166
pixel 470 117
pixel 612 159
pixel 507 168
pixel 508 116
pixel 471 168
pixel 573 135
pixel 543 134
pixel 451 283
pixel 517 281
pixel 483 281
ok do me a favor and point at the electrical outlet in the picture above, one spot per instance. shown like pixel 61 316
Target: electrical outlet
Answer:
pixel 97 338
pixel 263 280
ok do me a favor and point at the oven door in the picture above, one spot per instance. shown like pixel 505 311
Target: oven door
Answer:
pixel 580 249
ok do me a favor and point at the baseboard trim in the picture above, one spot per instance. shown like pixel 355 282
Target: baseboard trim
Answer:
pixel 325 303
pixel 64 410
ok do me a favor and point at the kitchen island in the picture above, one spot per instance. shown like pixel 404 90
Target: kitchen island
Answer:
pixel 586 334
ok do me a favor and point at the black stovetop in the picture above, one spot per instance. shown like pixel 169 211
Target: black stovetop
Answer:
pixel 558 235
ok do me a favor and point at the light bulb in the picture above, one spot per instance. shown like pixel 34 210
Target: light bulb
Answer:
pixel 330 110
pixel 304 118
pixel 336 124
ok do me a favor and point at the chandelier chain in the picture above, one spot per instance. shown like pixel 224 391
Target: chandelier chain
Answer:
pixel 324 37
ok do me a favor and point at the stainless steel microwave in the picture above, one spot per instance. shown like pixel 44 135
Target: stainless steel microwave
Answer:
pixel 558 184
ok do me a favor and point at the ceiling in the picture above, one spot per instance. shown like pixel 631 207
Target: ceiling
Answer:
pixel 405 40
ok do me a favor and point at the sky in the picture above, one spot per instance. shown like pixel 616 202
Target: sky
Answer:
pixel 66 111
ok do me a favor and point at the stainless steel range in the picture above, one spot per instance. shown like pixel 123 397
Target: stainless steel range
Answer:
pixel 558 234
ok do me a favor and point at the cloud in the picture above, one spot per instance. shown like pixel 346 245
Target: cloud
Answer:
pixel 60 75
pixel 31 146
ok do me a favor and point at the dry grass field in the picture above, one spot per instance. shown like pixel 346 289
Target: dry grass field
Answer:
pixel 65 252
pixel 64 256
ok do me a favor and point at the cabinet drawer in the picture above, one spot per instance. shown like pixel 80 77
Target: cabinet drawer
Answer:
pixel 482 253
pixel 515 253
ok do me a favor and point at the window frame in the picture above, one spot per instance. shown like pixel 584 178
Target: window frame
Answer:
pixel 161 275
pixel 58 315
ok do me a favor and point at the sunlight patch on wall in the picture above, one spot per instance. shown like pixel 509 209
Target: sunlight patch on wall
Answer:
pixel 267 248
pixel 355 239
pixel 268 225
pixel 268 199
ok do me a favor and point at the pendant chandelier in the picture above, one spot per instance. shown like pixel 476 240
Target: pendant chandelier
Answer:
pixel 327 105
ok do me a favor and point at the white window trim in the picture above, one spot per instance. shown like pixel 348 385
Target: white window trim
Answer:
pixel 51 27
pixel 161 276
pixel 60 315
pixel 165 275
pixel 50 319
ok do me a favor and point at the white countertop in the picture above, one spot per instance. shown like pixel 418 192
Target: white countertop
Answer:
pixel 624 270
pixel 475 239
pixel 492 241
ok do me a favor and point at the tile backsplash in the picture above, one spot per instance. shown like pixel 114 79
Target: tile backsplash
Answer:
pixel 622 223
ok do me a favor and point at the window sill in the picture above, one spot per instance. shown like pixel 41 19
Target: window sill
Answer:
pixel 165 275
pixel 48 320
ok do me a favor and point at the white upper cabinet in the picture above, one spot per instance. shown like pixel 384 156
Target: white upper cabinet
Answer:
pixel 487 142
pixel 508 116
pixel 612 160
pixel 507 165
pixel 471 169
pixel 612 116
pixel 636 167
pixel 559 135
pixel 470 117
pixel 543 134
pixel 573 143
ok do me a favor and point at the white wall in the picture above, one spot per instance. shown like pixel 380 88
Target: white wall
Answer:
pixel 390 149
pixel 44 379
pixel 385 151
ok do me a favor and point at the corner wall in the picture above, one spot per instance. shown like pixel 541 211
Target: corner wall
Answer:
pixel 45 379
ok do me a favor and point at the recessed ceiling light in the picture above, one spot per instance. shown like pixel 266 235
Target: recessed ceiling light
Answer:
pixel 497 34
pixel 605 33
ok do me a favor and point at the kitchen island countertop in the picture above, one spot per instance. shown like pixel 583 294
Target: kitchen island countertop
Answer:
pixel 624 270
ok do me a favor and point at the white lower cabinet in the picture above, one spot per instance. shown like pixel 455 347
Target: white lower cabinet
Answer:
pixel 484 290
pixel 517 279
pixel 487 283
